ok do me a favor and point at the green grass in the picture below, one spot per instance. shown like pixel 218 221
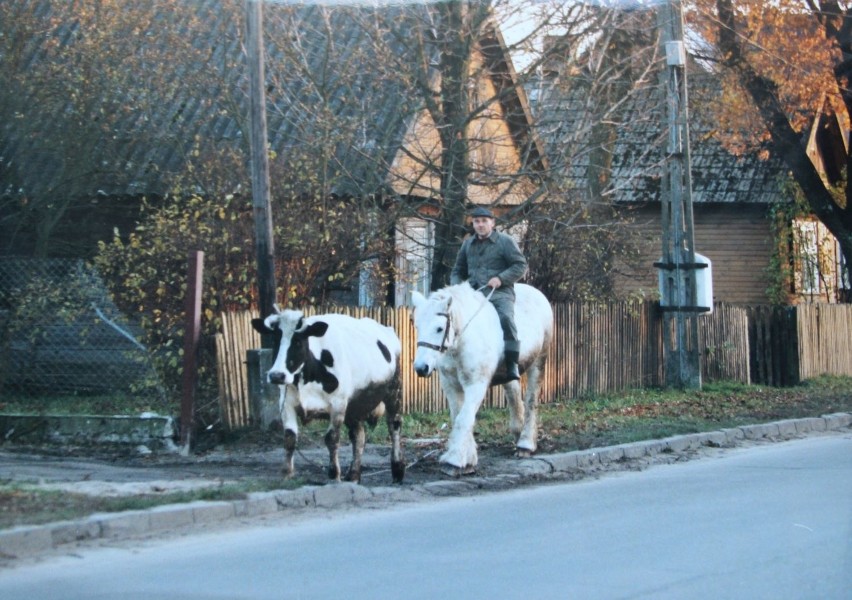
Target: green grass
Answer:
pixel 642 414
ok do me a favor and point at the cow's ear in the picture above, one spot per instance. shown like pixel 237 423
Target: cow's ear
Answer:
pixel 317 329
pixel 260 326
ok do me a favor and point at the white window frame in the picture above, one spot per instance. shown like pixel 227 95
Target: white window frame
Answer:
pixel 843 275
pixel 415 245
pixel 807 257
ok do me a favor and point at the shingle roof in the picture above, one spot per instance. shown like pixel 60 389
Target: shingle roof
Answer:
pixel 718 176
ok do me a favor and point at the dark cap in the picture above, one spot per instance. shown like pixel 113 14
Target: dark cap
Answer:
pixel 481 212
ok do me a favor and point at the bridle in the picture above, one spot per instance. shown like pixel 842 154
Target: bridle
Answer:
pixel 444 346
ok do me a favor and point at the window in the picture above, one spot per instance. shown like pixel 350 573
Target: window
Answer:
pixel 414 247
pixel 821 272
pixel 843 280
pixel 807 257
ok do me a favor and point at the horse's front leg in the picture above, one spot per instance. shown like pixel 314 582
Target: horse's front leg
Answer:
pixel 454 392
pixel 461 456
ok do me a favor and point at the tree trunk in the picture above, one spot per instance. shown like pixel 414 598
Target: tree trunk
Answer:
pixel 452 121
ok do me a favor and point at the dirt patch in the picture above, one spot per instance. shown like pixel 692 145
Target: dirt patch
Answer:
pixel 114 471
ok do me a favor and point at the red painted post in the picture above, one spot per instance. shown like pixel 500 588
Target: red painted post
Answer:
pixel 191 336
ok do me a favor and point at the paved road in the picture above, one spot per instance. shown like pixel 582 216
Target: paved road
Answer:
pixel 769 521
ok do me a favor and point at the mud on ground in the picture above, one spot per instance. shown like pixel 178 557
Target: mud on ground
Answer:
pixel 254 458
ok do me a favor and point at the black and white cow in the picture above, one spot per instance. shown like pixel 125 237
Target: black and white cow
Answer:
pixel 342 367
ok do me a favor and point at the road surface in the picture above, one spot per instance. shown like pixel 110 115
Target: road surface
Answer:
pixel 772 521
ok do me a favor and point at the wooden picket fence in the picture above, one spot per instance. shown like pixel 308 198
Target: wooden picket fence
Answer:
pixel 596 348
pixel 824 336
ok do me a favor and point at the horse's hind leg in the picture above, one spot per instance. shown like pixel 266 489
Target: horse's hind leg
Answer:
pixel 512 394
pixel 528 440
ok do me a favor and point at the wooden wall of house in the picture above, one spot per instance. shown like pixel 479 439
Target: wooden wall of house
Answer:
pixel 736 238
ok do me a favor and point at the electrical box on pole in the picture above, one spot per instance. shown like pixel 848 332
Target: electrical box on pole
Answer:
pixel 679 263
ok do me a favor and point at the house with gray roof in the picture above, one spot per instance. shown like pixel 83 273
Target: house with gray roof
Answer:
pixel 340 96
pixel 734 196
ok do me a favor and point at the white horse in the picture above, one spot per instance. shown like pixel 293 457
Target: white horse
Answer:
pixel 459 334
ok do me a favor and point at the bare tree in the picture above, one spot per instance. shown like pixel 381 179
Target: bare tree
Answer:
pixel 465 85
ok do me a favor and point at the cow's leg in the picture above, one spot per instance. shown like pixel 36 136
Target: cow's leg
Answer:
pixel 358 439
pixel 290 421
pixel 332 442
pixel 512 394
pixel 394 421
pixel 461 456
pixel 528 440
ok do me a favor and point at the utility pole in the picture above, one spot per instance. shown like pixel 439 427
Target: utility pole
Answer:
pixel 678 297
pixel 262 209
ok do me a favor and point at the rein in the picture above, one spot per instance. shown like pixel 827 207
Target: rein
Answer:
pixel 443 347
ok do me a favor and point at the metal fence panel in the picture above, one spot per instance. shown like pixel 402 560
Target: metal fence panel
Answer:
pixel 61 334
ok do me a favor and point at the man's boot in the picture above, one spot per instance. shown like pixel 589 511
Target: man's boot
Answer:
pixel 510 357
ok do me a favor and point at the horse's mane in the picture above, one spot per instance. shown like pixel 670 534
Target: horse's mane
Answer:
pixel 465 298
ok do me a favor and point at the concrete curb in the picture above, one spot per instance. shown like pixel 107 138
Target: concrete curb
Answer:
pixel 32 540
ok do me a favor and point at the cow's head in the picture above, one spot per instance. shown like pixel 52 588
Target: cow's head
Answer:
pixel 293 352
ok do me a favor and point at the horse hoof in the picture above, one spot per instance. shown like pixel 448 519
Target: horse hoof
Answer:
pixel 523 453
pixel 455 472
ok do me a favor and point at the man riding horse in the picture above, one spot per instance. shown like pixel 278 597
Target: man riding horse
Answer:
pixel 492 259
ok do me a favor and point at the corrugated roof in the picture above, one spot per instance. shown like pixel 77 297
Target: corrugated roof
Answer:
pixel 313 53
pixel 718 176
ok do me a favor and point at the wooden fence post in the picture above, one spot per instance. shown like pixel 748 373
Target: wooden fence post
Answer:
pixel 192 333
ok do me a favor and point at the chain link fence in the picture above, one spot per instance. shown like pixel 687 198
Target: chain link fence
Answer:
pixel 61 335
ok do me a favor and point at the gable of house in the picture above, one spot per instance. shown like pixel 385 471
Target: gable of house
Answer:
pixel 502 140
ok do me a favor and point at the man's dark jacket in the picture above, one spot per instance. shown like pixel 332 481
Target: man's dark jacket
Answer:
pixel 480 260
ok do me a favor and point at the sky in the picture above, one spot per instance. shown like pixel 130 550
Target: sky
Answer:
pixel 518 25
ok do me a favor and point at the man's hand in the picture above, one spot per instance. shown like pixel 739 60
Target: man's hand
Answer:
pixel 494 282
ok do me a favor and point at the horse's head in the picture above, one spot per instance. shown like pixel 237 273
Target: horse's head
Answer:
pixel 435 334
